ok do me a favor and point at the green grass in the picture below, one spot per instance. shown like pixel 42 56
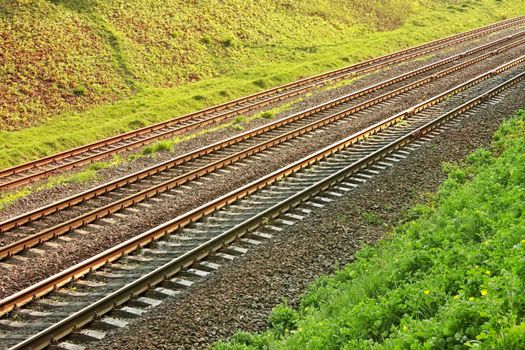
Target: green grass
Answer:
pixel 91 172
pixel 452 277
pixel 88 174
pixel 132 65
pixel 340 83
pixel 236 124
pixel 371 218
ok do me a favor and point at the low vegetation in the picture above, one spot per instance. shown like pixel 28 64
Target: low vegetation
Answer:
pixel 236 124
pixel 90 173
pixel 452 277
pixel 74 71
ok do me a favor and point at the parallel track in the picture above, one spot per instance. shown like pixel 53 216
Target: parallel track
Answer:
pixel 173 253
pixel 263 137
pixel 32 171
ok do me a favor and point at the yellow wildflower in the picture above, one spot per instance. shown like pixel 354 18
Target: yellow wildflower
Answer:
pixel 426 292
pixel 484 292
pixel 405 328
pixel 456 296
pixel 523 241
pixel 488 272
pixel 471 299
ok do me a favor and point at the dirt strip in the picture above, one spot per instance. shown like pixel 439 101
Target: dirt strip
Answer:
pixel 241 295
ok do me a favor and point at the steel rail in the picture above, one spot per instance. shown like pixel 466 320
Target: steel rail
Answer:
pixel 96 214
pixel 39 289
pixel 165 272
pixel 359 68
pixel 118 183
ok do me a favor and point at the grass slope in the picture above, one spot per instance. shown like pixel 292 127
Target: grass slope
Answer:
pixel 81 52
pixel 145 61
pixel 451 278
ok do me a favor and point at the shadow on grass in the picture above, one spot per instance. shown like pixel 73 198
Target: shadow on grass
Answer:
pixel 80 6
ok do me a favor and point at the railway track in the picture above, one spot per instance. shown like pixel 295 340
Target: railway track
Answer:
pixel 38 169
pixel 160 180
pixel 122 283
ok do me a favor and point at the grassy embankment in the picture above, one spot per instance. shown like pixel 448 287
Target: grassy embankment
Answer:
pixel 453 277
pixel 145 61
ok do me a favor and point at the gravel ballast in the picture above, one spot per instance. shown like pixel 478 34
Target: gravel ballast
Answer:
pixel 74 248
pixel 47 196
pixel 241 295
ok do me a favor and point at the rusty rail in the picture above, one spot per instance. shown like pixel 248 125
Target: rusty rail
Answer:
pixel 316 80
pixel 96 214
pixel 106 304
pixel 115 184
pixel 25 296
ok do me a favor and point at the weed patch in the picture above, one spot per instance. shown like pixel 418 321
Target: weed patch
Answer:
pixel 372 218
pixel 236 124
pixel 89 174
pixel 451 277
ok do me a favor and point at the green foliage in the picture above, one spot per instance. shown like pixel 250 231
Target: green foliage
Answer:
pixel 239 120
pixel 267 115
pixel 452 278
pixel 237 123
pixel 162 146
pixel 165 145
pixel 142 62
pixel 260 83
pixel 79 91
pixel 283 320
pixel 199 97
pixel 372 218
pixel 86 175
pixel 244 341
